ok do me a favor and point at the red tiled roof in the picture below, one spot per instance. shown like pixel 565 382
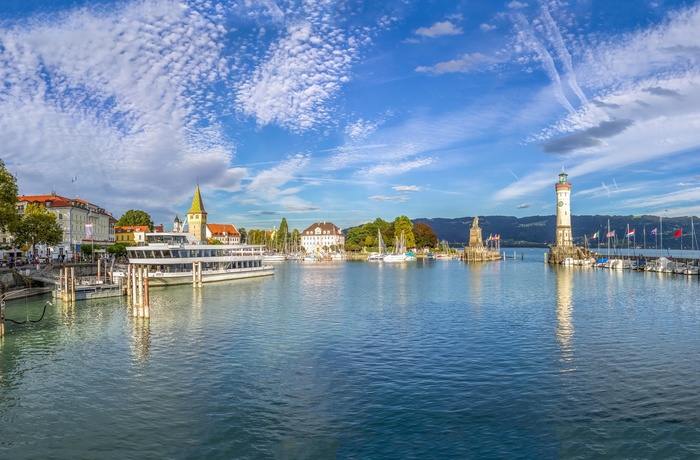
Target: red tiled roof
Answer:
pixel 220 229
pixel 131 228
pixel 325 227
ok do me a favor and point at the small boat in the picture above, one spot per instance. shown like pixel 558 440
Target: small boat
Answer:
pixel 400 254
pixel 269 256
pixel 378 256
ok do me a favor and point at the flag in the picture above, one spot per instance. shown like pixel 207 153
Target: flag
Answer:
pixel 630 234
pixel 595 235
pixel 88 231
pixel 610 234
pixel 678 233
pixel 653 232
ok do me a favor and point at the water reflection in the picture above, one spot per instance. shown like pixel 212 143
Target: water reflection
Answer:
pixel 565 326
pixel 140 339
pixel 476 274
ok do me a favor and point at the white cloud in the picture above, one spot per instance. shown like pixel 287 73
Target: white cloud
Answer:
pixel 465 63
pixel 407 188
pixel 268 186
pixel 487 27
pixel 301 72
pixel 655 98
pixel 390 199
pixel 439 29
pixel 115 96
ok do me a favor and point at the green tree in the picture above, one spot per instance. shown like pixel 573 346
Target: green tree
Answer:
pixel 117 249
pixel 87 250
pixel 295 240
pixel 135 217
pixel 244 234
pixel 365 236
pixel 8 199
pixel 425 236
pixel 37 225
pixel 404 224
pixel 282 235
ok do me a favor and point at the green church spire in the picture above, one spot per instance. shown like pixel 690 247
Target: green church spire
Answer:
pixel 197 203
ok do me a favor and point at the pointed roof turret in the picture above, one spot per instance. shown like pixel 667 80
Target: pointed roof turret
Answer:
pixel 197 203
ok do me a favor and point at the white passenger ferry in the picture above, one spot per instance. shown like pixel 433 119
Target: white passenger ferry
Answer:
pixel 172 257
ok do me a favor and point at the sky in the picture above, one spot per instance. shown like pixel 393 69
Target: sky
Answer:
pixel 349 110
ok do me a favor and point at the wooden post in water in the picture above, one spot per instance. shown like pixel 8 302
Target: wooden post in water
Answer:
pixel 72 284
pixel 146 307
pixel 99 265
pixel 128 280
pixel 140 284
pixel 132 283
pixel 2 317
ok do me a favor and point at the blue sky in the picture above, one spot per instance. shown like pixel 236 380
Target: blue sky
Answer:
pixel 352 110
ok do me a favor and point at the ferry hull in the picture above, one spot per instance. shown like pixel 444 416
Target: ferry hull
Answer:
pixel 173 279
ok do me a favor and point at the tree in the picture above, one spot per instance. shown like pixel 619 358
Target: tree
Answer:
pixel 282 235
pixel 425 236
pixel 404 224
pixel 243 233
pixel 87 250
pixel 135 217
pixel 37 225
pixel 8 199
pixel 117 249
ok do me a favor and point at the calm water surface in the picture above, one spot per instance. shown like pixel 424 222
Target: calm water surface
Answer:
pixel 434 359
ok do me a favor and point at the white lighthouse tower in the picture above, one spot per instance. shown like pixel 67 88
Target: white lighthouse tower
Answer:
pixel 563 187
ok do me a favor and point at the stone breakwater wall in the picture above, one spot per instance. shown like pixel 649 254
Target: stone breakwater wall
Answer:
pixel 20 278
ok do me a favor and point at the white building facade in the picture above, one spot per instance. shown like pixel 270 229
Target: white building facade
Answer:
pixel 322 237
pixel 81 222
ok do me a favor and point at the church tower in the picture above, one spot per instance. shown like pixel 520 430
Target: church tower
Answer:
pixel 177 224
pixel 563 187
pixel 197 217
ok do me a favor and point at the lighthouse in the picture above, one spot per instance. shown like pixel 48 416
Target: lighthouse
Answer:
pixel 563 188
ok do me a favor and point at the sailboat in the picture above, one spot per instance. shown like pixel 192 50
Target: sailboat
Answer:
pixel 378 256
pixel 445 251
pixel 400 254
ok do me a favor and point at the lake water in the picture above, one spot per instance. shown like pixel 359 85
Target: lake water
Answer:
pixel 358 360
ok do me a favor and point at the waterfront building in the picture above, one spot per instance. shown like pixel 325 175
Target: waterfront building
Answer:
pixel 82 222
pixel 322 237
pixel 132 235
pixel 225 233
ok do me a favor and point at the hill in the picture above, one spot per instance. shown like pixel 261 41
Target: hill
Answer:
pixel 539 231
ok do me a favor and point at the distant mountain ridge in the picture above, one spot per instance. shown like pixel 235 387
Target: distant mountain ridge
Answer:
pixel 540 230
